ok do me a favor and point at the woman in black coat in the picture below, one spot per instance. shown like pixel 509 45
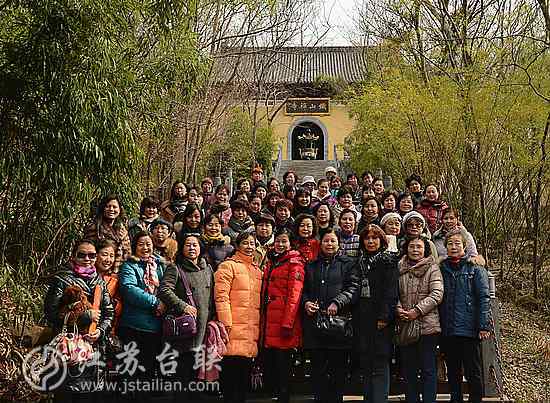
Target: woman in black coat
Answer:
pixel 69 288
pixel 373 316
pixel 331 284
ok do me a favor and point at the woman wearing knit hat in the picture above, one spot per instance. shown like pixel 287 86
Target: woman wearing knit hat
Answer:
pixel 414 226
pixel 391 224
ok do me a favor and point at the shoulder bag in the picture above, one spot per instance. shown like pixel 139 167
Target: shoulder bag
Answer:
pixel 184 326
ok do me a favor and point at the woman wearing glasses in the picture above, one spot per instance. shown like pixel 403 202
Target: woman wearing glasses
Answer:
pixel 79 276
pixel 414 226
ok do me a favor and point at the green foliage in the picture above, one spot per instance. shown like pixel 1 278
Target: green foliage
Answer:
pixel 80 81
pixel 242 146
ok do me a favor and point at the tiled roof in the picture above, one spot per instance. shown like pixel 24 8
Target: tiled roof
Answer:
pixel 290 65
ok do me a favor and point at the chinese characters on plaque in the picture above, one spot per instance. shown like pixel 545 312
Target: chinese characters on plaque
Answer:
pixel 308 106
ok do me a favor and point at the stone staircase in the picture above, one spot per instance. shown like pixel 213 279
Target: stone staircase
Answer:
pixel 315 168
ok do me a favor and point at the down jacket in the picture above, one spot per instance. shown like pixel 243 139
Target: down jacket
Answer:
pixel 308 248
pixel 421 287
pixel 66 278
pixel 237 289
pixel 432 211
pixel 466 303
pixel 282 291
pixel 139 308
pixel 329 280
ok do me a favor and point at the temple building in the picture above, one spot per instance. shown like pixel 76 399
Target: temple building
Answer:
pixel 296 89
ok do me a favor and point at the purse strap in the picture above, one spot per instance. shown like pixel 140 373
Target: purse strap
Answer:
pixel 187 287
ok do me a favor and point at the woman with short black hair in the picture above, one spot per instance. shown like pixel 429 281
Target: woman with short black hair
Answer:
pixel 140 322
pixel 199 278
pixel 331 288
pixel 374 314
pixel 148 212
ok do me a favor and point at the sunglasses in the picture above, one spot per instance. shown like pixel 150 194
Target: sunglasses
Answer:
pixel 91 256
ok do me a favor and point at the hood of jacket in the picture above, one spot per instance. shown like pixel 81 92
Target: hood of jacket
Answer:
pixel 417 269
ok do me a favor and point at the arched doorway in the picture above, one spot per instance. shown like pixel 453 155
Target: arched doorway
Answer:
pixel 307 141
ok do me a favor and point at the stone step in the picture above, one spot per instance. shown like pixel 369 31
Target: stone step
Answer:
pixel 315 168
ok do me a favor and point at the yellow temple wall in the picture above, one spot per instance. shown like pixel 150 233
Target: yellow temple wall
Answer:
pixel 338 124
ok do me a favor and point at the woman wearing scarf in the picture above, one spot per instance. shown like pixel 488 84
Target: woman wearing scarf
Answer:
pixel 139 280
pixel 80 272
pixel 349 240
pixel 282 290
pixel 374 315
pixel 218 246
pixel 420 292
pixel 177 202
pixel 172 292
pixel 331 285
pixel 305 234
pixel 240 221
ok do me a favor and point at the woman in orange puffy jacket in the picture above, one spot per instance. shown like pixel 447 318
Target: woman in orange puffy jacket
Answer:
pixel 282 292
pixel 237 289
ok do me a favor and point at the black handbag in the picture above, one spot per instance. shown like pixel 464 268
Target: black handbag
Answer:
pixel 337 327
pixel 184 326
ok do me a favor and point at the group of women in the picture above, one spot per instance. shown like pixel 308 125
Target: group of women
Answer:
pixel 275 267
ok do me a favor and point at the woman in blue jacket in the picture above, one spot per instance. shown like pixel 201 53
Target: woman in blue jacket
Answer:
pixel 464 317
pixel 140 321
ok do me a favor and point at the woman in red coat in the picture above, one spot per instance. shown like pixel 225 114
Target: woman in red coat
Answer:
pixel 431 207
pixel 282 290
pixel 305 232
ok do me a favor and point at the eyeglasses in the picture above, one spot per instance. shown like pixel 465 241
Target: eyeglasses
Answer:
pixel 81 255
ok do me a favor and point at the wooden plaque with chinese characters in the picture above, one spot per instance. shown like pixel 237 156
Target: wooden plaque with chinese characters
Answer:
pixel 307 106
